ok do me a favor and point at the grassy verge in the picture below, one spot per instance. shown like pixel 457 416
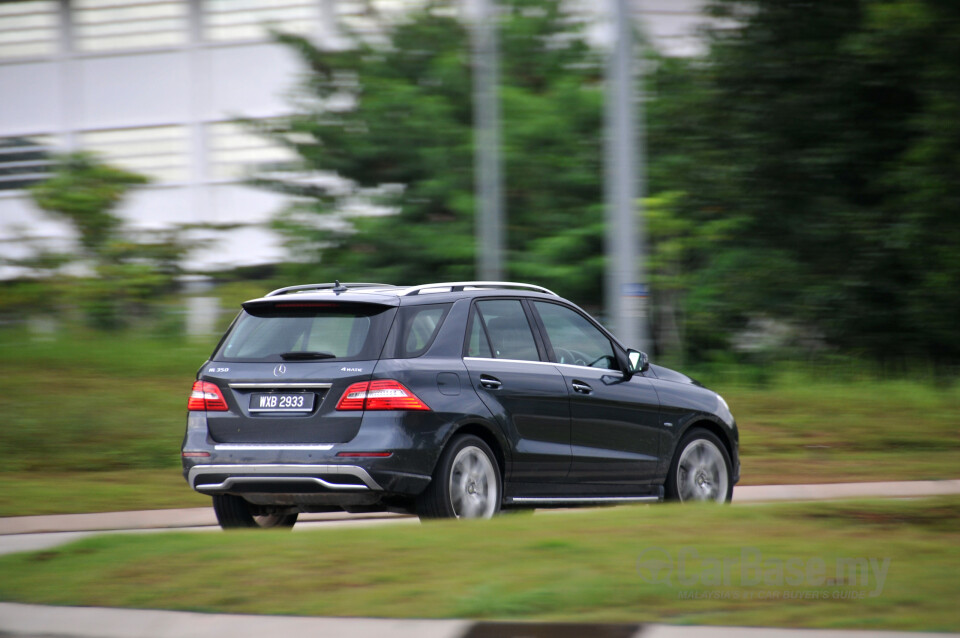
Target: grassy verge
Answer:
pixel 81 492
pixel 803 429
pixel 93 422
pixel 773 565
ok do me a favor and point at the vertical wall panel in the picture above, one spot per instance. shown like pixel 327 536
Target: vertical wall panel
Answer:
pixel 29 98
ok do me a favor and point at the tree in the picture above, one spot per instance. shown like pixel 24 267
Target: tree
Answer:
pixel 804 170
pixel 836 139
pixel 85 192
pixel 126 275
pixel 401 132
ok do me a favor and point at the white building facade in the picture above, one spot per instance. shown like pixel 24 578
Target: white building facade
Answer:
pixel 155 85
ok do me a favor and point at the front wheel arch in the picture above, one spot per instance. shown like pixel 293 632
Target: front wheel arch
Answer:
pixel 708 443
pixel 717 430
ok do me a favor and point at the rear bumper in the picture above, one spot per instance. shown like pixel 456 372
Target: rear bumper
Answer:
pixel 315 469
pixel 337 481
pixel 216 478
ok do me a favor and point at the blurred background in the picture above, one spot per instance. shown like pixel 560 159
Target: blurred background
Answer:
pixel 797 163
pixel 792 220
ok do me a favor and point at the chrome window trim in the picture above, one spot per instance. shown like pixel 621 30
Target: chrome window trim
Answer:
pixel 547 363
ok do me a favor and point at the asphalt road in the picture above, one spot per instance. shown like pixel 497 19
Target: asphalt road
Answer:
pixel 31 533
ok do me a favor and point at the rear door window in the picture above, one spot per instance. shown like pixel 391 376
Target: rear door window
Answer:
pixel 477 343
pixel 305 331
pixel 507 332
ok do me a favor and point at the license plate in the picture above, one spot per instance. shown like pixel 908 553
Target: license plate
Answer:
pixel 282 401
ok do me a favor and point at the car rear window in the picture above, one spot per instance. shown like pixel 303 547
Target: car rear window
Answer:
pixel 305 332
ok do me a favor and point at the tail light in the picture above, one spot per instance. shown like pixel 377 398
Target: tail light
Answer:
pixel 206 396
pixel 384 394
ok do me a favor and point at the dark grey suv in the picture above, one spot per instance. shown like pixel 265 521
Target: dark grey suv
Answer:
pixel 447 400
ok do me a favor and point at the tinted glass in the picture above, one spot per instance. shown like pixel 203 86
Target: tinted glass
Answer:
pixel 345 331
pixel 575 340
pixel 418 327
pixel 508 329
pixel 478 345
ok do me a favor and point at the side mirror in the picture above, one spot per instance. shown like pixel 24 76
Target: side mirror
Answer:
pixel 638 361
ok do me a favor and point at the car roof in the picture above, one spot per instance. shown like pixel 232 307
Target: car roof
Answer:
pixel 387 294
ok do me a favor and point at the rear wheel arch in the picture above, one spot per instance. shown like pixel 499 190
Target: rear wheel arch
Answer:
pixel 466 482
pixel 485 434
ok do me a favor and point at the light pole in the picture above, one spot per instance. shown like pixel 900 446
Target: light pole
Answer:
pixel 625 289
pixel 488 189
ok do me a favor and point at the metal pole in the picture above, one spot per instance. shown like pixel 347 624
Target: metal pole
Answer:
pixel 625 286
pixel 488 190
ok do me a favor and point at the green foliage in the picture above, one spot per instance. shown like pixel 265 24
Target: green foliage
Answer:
pixel 126 275
pixel 84 192
pixel 803 172
pixel 837 141
pixel 407 144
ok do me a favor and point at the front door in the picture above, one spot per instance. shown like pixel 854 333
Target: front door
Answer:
pixel 615 422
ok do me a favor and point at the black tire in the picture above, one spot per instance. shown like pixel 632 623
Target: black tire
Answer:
pixel 706 473
pixel 234 512
pixel 478 491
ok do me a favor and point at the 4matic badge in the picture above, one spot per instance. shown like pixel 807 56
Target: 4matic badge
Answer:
pixel 351 369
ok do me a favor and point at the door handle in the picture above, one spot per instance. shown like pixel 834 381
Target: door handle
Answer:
pixel 490 383
pixel 581 387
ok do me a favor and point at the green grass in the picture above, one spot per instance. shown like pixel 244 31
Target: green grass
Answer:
pixel 805 430
pixel 568 566
pixel 81 492
pixel 94 422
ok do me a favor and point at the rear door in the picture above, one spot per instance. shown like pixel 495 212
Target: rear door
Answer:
pixel 525 393
pixel 284 366
pixel 615 422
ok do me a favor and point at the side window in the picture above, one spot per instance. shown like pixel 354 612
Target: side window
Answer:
pixel 420 325
pixel 478 345
pixel 508 330
pixel 575 340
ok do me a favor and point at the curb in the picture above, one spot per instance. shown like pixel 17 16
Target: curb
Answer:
pixel 33 621
pixel 204 517
pixel 148 519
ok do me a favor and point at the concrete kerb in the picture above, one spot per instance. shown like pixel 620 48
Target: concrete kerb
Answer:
pixel 34 621
pixel 201 517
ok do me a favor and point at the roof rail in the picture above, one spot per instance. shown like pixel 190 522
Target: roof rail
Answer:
pixel 327 286
pixel 457 286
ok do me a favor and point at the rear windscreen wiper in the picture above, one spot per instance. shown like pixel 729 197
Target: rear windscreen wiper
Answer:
pixel 291 356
